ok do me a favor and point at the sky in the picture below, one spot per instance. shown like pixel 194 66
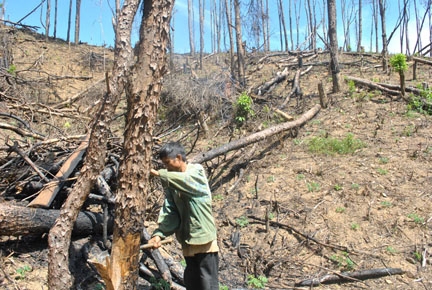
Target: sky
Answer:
pixel 97 29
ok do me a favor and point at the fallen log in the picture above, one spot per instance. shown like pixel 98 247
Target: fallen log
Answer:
pixel 374 86
pixel 295 90
pixel 350 276
pixel 239 143
pixel 266 87
pixel 19 220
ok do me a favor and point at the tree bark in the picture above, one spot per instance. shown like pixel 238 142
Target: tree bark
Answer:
pixel 203 157
pixel 20 220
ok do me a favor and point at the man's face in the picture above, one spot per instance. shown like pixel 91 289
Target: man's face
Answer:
pixel 173 164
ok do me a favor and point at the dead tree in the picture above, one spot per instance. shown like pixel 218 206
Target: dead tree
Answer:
pixel 144 84
pixel 59 276
pixel 334 59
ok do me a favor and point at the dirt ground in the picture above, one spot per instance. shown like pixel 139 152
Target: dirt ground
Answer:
pixel 327 213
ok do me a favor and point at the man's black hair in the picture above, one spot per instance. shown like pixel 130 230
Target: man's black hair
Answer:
pixel 171 150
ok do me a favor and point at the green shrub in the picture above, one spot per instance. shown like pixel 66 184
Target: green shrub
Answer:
pixel 399 63
pixel 159 284
pixel 243 108
pixel 257 282
pixel 423 103
pixel 242 221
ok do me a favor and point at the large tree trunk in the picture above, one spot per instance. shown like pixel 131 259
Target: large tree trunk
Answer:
pixel 20 220
pixel 334 62
pixel 121 269
pixel 59 276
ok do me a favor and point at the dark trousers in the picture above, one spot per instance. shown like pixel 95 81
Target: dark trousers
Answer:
pixel 201 272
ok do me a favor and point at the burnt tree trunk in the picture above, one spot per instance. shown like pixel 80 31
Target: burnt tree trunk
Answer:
pixel 334 59
pixel 20 220
pixel 120 270
pixel 59 276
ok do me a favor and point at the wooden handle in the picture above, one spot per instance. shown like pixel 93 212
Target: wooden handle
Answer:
pixel 148 246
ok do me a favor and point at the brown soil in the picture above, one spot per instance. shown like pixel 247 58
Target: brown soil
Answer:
pixel 328 213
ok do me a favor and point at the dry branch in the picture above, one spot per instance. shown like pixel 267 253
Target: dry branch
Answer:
pixel 236 144
pixel 306 236
pixel 350 276
pixel 20 131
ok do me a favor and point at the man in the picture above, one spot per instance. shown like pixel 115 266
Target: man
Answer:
pixel 187 212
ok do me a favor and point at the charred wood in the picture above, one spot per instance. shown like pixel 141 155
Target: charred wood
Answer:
pixel 19 220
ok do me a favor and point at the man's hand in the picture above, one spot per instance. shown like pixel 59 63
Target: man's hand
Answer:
pixel 154 172
pixel 155 242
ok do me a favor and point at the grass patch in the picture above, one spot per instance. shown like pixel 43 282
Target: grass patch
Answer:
pixel 331 146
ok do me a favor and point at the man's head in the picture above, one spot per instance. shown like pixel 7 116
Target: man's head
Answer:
pixel 173 156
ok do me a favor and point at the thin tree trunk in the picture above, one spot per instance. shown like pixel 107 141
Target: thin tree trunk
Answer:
pixel 55 19
pixel 375 13
pixel 290 24
pixel 283 30
pixel 297 16
pixel 201 30
pixel 47 19
pixel 334 62
pixel 77 20
pixel 360 26
pixel 191 28
pixel 240 47
pixel 231 37
pixel 69 22
pixel 384 35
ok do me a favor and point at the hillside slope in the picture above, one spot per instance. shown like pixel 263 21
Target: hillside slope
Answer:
pixel 328 210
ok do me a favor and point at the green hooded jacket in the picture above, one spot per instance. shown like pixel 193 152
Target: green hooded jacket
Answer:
pixel 187 209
